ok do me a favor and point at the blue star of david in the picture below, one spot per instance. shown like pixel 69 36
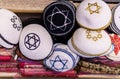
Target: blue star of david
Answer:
pixel 64 13
pixel 32 41
pixel 61 61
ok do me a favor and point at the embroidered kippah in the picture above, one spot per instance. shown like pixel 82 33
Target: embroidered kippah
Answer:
pixel 59 17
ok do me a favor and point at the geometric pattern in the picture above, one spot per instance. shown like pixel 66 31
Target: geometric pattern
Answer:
pixel 65 20
pixel 58 63
pixel 13 20
pixel 93 8
pixel 32 41
pixel 94 35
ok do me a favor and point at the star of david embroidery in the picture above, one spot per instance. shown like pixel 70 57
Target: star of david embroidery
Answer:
pixel 92 36
pixel 58 63
pixel 32 41
pixel 93 8
pixel 14 21
pixel 61 13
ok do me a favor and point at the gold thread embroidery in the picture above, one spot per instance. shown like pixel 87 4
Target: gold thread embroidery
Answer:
pixel 89 8
pixel 85 53
pixel 95 37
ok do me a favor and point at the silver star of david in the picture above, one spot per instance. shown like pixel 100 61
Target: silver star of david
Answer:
pixel 59 60
pixel 32 41
pixel 64 13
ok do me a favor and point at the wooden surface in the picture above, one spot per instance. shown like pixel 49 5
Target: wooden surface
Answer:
pixel 108 1
pixel 25 6
pixel 29 6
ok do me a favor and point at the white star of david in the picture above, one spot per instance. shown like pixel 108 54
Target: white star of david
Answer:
pixel 66 20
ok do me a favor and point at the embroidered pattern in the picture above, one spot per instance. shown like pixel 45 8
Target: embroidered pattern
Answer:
pixel 116 41
pixel 93 8
pixel 53 20
pixel 32 41
pixel 58 63
pixel 14 21
pixel 94 35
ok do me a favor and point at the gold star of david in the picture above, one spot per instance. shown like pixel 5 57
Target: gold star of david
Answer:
pixel 95 37
pixel 89 8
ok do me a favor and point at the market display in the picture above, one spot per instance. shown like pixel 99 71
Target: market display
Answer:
pixel 69 42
